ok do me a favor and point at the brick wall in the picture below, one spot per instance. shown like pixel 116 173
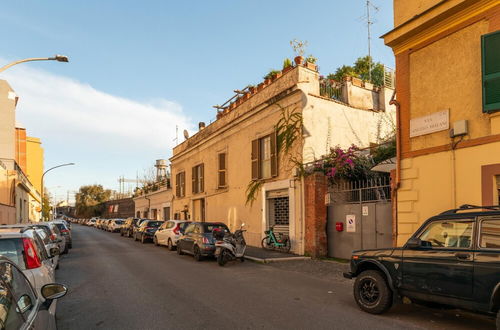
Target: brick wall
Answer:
pixel 121 208
pixel 315 215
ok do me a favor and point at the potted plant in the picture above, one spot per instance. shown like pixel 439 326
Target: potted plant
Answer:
pixel 287 65
pixel 311 62
pixel 299 49
pixel 272 74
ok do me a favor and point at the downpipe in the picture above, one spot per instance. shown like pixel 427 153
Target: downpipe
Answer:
pixel 396 184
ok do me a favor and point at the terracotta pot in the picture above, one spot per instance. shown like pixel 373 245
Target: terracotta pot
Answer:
pixel 298 60
pixel 279 74
pixel 267 82
pixel 288 68
pixel 219 115
pixel 245 96
pixel 311 66
pixel 252 90
pixel 260 87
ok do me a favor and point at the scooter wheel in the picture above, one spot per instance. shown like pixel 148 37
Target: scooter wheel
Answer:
pixel 242 259
pixel 221 258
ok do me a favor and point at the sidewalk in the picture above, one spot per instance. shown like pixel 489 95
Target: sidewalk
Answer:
pixel 260 255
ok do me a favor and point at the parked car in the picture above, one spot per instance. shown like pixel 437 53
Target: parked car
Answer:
pixel 115 225
pixel 452 259
pixel 21 306
pixel 51 246
pixel 128 227
pixel 169 233
pixel 137 225
pixel 146 230
pixel 23 246
pixel 66 233
pixel 55 234
pixel 198 240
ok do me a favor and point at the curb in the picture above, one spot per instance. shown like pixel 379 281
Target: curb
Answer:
pixel 268 260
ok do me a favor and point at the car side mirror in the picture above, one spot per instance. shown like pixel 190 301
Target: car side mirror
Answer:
pixel 24 303
pixel 54 252
pixel 53 291
pixel 414 243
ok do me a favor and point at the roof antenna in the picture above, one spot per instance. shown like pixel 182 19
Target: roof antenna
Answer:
pixel 369 23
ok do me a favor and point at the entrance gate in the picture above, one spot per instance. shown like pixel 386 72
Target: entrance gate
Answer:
pixel 359 217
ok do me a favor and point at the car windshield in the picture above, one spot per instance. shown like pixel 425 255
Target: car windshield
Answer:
pixel 155 224
pixel 61 226
pixel 12 249
pixel 208 228
pixel 119 222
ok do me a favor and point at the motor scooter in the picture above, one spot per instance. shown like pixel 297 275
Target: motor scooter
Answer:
pixel 229 246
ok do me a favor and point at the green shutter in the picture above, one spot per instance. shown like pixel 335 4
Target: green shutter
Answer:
pixel 490 44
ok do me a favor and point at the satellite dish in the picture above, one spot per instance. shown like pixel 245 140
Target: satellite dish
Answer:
pixel 186 134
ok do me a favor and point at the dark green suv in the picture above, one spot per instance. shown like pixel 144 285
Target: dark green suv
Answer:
pixel 453 259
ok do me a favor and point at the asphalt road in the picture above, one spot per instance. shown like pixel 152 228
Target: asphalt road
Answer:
pixel 116 283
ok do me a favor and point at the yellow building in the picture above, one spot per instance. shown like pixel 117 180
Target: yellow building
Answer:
pixel 448 90
pixel 34 161
pixel 214 170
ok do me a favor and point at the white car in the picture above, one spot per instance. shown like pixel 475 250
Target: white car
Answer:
pixel 92 222
pixel 169 233
pixel 25 248
pixel 114 225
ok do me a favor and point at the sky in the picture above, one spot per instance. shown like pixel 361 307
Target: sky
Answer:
pixel 139 69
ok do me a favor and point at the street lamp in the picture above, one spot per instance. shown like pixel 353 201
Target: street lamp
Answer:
pixel 50 169
pixel 58 58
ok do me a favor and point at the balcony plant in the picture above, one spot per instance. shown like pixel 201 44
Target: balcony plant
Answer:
pixel 287 65
pixel 311 62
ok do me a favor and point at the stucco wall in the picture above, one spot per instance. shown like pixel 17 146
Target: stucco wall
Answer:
pixel 328 124
pixel 34 161
pixel 159 199
pixel 428 188
pixel 7 121
pixel 447 75
pixel 406 9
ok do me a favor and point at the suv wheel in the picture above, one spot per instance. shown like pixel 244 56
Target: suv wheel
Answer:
pixel 371 292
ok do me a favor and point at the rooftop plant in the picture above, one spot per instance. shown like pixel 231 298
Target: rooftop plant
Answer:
pixel 311 59
pixel 271 74
pixel 287 63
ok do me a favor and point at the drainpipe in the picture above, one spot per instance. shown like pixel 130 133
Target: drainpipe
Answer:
pixel 397 182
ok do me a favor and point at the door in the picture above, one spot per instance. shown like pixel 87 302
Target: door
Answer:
pixel 161 233
pixel 188 238
pixel 199 210
pixel 445 267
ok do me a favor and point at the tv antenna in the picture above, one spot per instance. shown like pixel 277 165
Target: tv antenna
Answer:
pixel 369 23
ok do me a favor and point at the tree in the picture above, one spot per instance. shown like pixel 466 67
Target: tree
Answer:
pixel 361 70
pixel 46 205
pixel 88 198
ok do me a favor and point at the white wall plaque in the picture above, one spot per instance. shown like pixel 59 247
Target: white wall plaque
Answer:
pixel 438 121
pixel 365 210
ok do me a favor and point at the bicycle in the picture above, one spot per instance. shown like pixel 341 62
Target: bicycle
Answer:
pixel 271 242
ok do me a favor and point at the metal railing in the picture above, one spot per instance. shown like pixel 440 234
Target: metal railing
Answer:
pixel 331 89
pixel 371 190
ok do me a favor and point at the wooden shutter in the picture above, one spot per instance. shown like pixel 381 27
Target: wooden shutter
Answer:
pixel 202 177
pixel 274 155
pixel 183 184
pixel 177 185
pixel 255 160
pixel 194 179
pixel 490 44
pixel 222 170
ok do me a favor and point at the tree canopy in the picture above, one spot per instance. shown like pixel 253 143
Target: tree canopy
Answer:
pixel 361 69
pixel 88 199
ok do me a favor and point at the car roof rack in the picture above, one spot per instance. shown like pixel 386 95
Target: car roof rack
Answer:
pixel 466 207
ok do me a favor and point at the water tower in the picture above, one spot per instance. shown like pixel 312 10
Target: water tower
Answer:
pixel 161 169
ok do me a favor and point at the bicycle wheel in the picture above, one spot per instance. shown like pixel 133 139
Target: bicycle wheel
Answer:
pixel 286 246
pixel 265 244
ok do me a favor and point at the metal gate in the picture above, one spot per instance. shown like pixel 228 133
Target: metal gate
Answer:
pixel 359 217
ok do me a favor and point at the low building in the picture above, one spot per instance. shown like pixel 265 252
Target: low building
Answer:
pixel 448 89
pixel 154 203
pixel 239 169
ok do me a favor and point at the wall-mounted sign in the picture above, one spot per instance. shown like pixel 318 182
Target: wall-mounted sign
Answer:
pixel 438 121
pixel 365 210
pixel 350 223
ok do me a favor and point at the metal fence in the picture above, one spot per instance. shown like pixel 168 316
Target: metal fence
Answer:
pixel 330 89
pixel 371 190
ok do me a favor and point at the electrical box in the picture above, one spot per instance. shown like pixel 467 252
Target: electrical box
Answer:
pixel 339 226
pixel 459 128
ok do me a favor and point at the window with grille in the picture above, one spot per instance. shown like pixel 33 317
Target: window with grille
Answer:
pixel 222 171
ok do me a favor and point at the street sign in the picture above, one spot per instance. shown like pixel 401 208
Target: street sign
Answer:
pixel 365 210
pixel 350 222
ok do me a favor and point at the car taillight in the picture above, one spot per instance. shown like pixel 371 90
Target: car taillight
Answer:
pixel 53 237
pixel 177 229
pixel 205 240
pixel 30 256
pixel 64 231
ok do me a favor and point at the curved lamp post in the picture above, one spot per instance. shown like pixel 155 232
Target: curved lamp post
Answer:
pixel 58 58
pixel 50 169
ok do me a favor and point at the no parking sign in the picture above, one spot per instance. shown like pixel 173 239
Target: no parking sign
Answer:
pixel 350 223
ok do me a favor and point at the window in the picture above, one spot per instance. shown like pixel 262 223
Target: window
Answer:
pixel 449 234
pixel 222 173
pixel 197 179
pixel 10 318
pixel 490 234
pixel 138 214
pixel 264 157
pixel 180 184
pixel 490 44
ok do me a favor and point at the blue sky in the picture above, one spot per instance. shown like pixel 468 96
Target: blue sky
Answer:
pixel 139 68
